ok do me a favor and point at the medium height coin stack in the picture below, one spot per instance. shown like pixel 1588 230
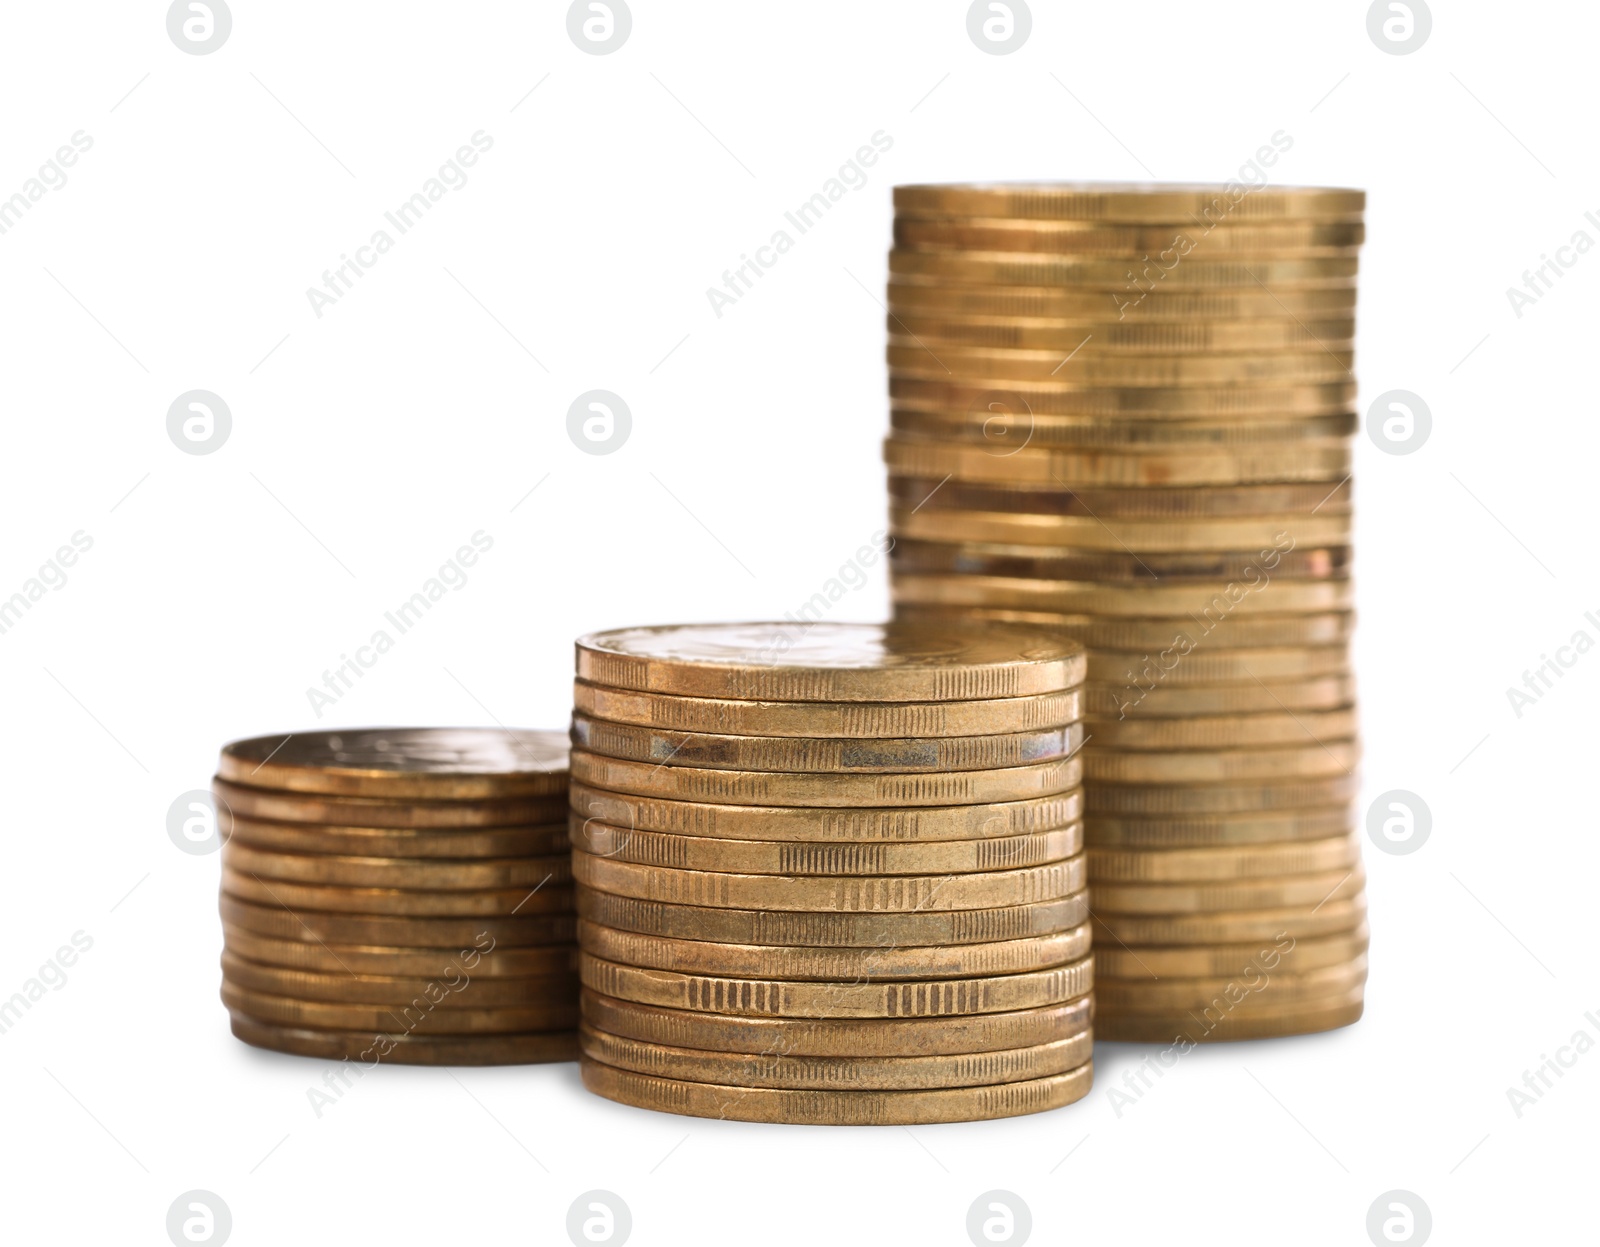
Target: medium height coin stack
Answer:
pixel 831 874
pixel 1125 414
pixel 399 895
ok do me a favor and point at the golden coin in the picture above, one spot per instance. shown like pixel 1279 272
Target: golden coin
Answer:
pixel 1203 665
pixel 1282 892
pixel 1275 238
pixel 833 930
pixel 889 962
pixel 428 874
pixel 420 1015
pixel 670 989
pixel 1130 277
pixel 836 1108
pixel 848 720
pixel 1002 431
pixel 811 754
pixel 1220 206
pixel 1052 398
pixel 1201 830
pixel 481 959
pixel 1214 1026
pixel 1303 922
pixel 830 1037
pixel 831 790
pixel 829 662
pixel 484 902
pixel 912 556
pixel 1145 308
pixel 1253 992
pixel 404 1049
pixel 1231 960
pixel 455 989
pixel 1224 862
pixel 457 763
pixel 274 920
pixel 1186 505
pixel 1334 757
pixel 1134 335
pixel 748 822
pixel 1327 460
pixel 858 1074
pixel 910 357
pixel 1210 600
pixel 866 894
pixel 1250 632
pixel 392 841
pixel 398 814
pixel 1148 698
pixel 810 857
pixel 1189 800
pixel 1228 730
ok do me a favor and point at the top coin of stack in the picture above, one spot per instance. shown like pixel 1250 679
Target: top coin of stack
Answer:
pixel 1125 413
pixel 399 894
pixel 831 873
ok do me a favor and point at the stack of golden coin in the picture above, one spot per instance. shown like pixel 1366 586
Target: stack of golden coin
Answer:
pixel 1125 414
pixel 399 894
pixel 831 873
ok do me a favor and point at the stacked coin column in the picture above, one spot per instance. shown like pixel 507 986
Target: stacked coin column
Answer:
pixel 831 875
pixel 1125 414
pixel 399 895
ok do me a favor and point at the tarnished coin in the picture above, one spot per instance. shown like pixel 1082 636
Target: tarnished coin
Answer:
pixel 398 813
pixel 427 874
pixel 836 1108
pixel 1334 757
pixel 1200 830
pixel 797 823
pixel 418 903
pixel 857 965
pixel 813 754
pixel 1139 538
pixel 1192 799
pixel 457 763
pixel 861 1074
pixel 271 918
pixel 829 790
pixel 1184 504
pixel 482 959
pixel 1017 268
pixel 420 1016
pixel 1249 993
pixel 865 894
pixel 1305 922
pixel 910 357
pixel 833 930
pixel 1230 960
pixel 1220 206
pixel 830 662
pixel 1144 697
pixel 671 989
pixel 1207 599
pixel 1229 730
pixel 830 1037
pixel 1053 398
pixel 1268 238
pixel 408 1049
pixel 491 842
pixel 1225 863
pixel 810 857
pixel 456 989
pixel 1212 1025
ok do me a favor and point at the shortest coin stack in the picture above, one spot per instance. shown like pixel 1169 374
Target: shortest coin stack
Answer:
pixel 399 894
pixel 831 873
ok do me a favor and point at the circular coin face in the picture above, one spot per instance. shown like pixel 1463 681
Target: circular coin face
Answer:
pixel 450 763
pixel 801 661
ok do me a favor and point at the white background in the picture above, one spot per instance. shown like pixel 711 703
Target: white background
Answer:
pixel 427 403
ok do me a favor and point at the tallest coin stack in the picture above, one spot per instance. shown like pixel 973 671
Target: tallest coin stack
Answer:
pixel 1125 413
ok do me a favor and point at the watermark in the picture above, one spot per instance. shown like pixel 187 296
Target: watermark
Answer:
pixel 192 822
pixel 850 577
pixel 1543 678
pixel 451 577
pixel 599 28
pixel 1538 282
pixel 999 1217
pixel 50 977
pixel 1399 422
pixel 999 28
pixel 1399 28
pixel 339 280
pixel 1551 1069
pixel 599 1217
pixel 1399 1217
pixel 199 1217
pixel 199 28
pixel 1251 177
pixel 199 422
pixel 599 422
pixel 852 176
pixel 50 578
pixel 52 176
pixel 1399 822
